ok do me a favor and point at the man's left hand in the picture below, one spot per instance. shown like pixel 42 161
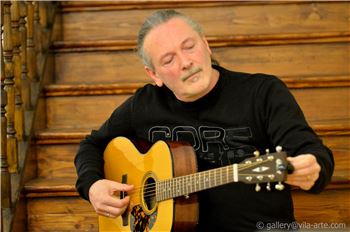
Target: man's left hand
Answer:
pixel 306 171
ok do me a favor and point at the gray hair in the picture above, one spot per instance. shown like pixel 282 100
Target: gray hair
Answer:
pixel 156 19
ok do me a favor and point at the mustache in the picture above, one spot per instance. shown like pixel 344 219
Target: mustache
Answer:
pixel 190 73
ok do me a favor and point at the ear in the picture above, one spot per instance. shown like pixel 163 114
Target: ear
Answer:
pixel 154 76
pixel 207 45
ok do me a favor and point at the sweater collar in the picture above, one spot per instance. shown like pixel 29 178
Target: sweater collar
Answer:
pixel 206 100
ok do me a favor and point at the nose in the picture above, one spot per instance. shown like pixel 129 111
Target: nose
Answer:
pixel 186 61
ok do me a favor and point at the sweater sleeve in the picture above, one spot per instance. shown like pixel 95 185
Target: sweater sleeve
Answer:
pixel 89 158
pixel 286 126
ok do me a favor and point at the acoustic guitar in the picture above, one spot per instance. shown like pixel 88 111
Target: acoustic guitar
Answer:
pixel 165 180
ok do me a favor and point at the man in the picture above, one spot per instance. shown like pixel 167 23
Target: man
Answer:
pixel 225 115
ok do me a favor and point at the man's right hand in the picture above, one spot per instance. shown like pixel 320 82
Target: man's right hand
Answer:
pixel 104 200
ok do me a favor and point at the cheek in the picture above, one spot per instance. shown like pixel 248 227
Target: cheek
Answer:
pixel 203 55
pixel 171 74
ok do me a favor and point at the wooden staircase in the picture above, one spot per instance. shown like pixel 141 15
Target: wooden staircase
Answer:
pixel 94 69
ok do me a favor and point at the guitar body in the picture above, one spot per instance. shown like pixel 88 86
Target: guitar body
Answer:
pixel 124 163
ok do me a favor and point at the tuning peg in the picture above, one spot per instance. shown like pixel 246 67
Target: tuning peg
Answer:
pixel 257 188
pixel 256 153
pixel 279 186
pixel 268 186
pixel 278 148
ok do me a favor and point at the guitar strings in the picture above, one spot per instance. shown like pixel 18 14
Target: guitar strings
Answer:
pixel 151 193
pixel 151 186
pixel 150 189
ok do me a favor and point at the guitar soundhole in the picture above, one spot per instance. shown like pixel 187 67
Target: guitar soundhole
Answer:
pixel 149 193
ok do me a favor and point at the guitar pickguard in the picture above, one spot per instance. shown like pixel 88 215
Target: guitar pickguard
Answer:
pixel 140 221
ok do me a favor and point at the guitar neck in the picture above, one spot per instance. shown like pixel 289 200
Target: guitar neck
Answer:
pixel 263 169
pixel 185 185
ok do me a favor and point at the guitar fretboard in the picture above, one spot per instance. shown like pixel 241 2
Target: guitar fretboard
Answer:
pixel 185 185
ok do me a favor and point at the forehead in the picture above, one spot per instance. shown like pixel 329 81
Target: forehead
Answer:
pixel 172 32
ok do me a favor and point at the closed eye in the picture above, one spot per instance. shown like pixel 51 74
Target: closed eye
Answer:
pixel 189 46
pixel 167 60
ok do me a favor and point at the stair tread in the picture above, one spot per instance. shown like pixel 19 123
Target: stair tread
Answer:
pixel 52 185
pixel 131 87
pixel 214 41
pixel 342 125
pixel 91 89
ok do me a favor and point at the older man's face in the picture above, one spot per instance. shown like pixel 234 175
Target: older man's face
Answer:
pixel 181 60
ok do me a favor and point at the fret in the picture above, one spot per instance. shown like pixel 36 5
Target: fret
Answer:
pixel 160 188
pixel 157 192
pixel 182 181
pixel 194 182
pixel 166 189
pixel 209 179
pixel 187 185
pixel 215 175
pixel 169 189
pixel 177 189
pixel 227 174
pixel 184 185
pixel 191 183
pixel 206 180
pixel 221 181
pixel 180 192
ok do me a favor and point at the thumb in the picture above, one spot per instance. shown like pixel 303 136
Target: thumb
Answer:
pixel 116 186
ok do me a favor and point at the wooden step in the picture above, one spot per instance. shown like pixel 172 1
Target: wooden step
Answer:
pixel 214 42
pixel 81 111
pixel 56 160
pixel 47 187
pixel 108 21
pixel 62 213
pixel 58 186
pixel 49 199
pixel 56 149
pixel 310 208
pixel 67 109
pixel 125 67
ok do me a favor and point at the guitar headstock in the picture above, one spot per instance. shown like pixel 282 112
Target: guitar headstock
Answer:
pixel 271 167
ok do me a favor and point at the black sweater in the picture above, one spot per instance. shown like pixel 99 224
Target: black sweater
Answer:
pixel 243 113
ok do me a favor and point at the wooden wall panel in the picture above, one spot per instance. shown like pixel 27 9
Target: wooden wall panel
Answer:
pixel 338 141
pixel 56 161
pixel 324 104
pixel 331 206
pixel 81 111
pixel 99 67
pixel 237 19
pixel 342 164
pixel 288 60
pixel 61 214
pixel 293 60
pixel 73 214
